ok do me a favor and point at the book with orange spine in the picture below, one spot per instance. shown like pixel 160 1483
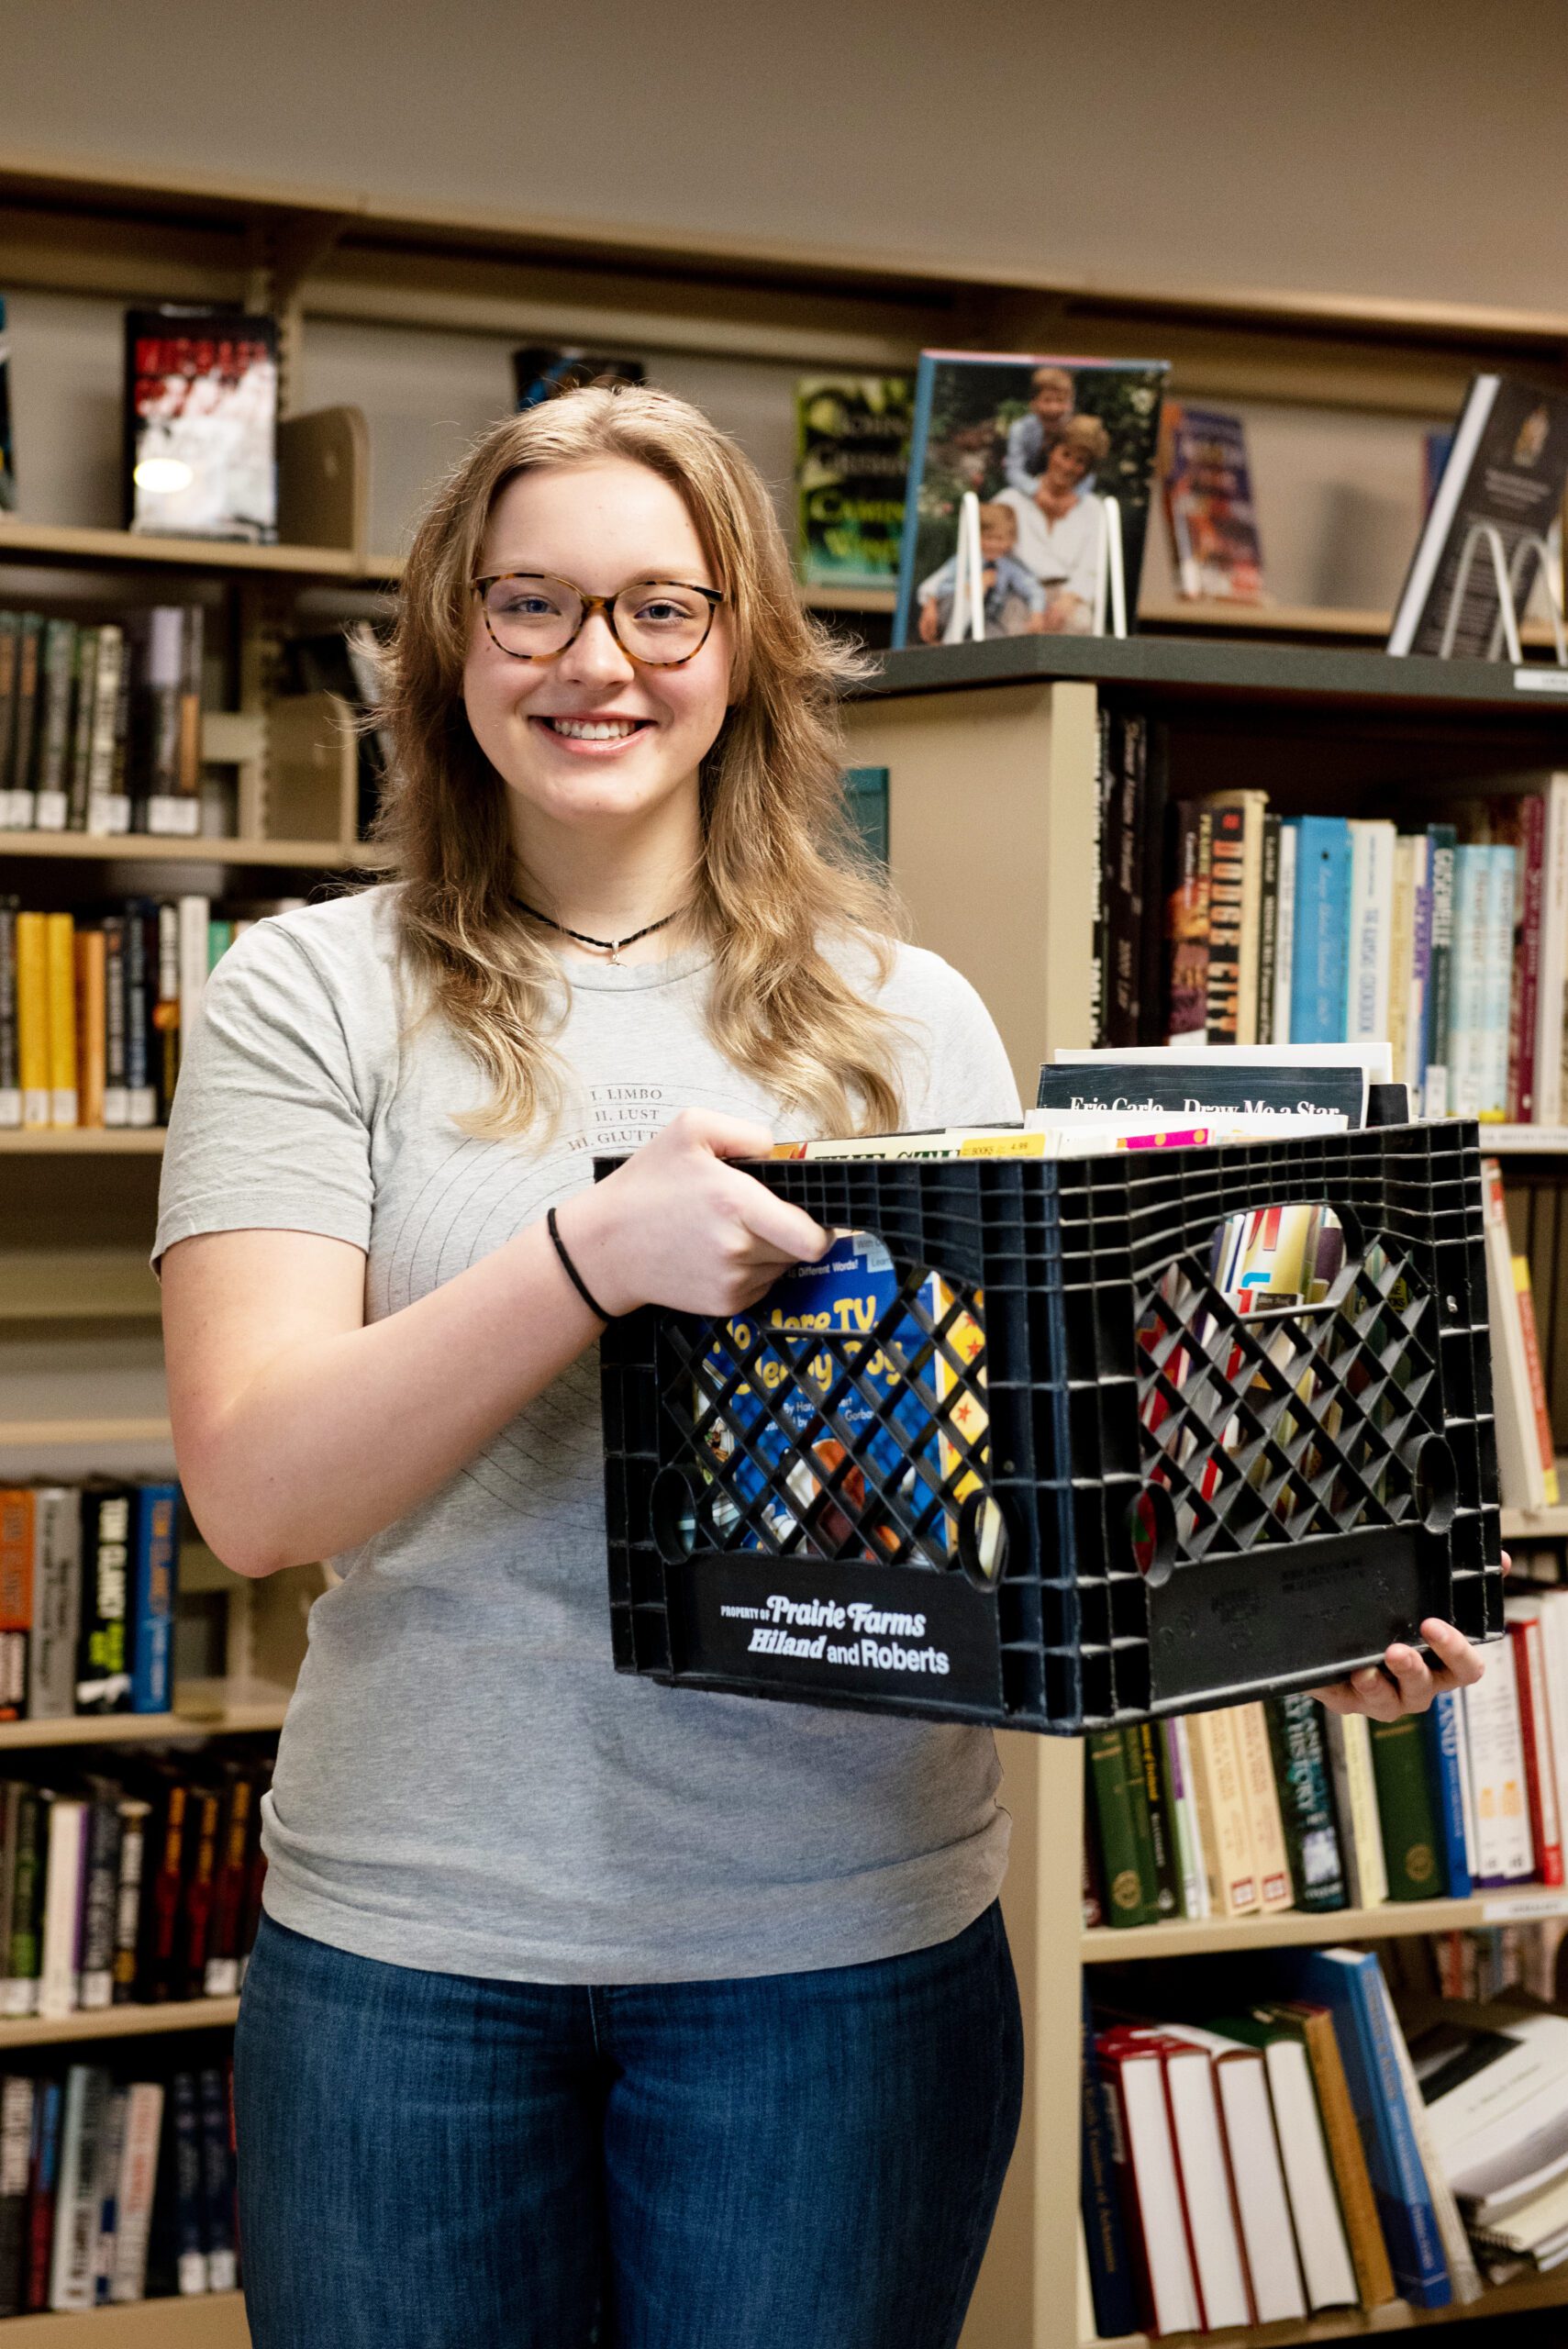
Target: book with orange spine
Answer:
pixel 90 1023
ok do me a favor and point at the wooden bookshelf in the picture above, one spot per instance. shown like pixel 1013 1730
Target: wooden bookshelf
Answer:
pixel 22 1435
pixel 1298 1929
pixel 1538 1524
pixel 150 848
pixel 67 543
pixel 201 2321
pixel 117 2022
pixel 1549 2291
pixel 203 1708
pixel 45 1141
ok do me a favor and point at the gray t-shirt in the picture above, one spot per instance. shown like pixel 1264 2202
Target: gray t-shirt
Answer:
pixel 464 1783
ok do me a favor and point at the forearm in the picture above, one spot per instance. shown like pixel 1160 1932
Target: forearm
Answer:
pixel 332 1440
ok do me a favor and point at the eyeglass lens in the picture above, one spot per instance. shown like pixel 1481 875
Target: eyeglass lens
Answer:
pixel 656 621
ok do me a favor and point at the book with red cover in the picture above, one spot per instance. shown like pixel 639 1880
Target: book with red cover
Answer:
pixel 1535 1725
pixel 1132 2065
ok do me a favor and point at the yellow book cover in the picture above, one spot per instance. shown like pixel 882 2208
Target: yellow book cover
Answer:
pixel 61 952
pixel 1526 1295
pixel 91 1015
pixel 32 1017
pixel 1274 1889
pixel 1222 1808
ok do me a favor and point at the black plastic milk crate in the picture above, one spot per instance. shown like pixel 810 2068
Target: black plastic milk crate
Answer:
pixel 1169 1503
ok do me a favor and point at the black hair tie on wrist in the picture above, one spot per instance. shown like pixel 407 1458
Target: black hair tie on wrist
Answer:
pixel 573 1275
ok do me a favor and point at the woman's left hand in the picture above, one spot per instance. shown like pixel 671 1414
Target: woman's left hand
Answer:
pixel 1455 1664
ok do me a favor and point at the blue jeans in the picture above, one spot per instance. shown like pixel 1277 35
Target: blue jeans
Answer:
pixel 800 2161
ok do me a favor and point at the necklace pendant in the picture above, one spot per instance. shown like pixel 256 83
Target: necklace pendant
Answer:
pixel 615 952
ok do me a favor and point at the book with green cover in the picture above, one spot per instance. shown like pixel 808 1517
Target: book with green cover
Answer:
pixel 1405 1808
pixel 1115 1783
pixel 851 460
pixel 1161 1822
pixel 1306 1801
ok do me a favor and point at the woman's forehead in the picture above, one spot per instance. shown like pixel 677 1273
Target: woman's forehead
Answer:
pixel 609 510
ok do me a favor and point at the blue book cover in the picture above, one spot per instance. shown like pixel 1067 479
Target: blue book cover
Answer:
pixel 1105 2230
pixel 1346 1982
pixel 1442 1732
pixel 1498 976
pixel 919 433
pixel 152 1598
pixel 786 1431
pixel 1467 1039
pixel 1321 956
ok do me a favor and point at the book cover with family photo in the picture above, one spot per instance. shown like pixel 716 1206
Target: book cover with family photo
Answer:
pixel 1042 442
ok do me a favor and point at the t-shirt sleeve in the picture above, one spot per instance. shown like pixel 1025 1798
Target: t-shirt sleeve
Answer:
pixel 964 1078
pixel 267 1130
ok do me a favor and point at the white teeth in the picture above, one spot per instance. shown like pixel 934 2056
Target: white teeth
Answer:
pixel 612 730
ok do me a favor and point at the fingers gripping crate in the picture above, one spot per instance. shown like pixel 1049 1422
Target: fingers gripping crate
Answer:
pixel 1096 1487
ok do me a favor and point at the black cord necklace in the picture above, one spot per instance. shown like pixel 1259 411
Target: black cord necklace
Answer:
pixel 610 946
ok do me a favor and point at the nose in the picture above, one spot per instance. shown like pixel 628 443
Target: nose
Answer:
pixel 594 658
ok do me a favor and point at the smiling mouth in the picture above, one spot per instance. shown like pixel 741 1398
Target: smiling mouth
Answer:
pixel 594 729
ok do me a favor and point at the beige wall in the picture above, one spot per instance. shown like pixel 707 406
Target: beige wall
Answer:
pixel 1400 147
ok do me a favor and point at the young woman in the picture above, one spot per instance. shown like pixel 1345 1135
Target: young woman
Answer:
pixel 582 2010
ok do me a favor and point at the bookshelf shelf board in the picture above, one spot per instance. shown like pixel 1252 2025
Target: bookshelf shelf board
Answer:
pixel 18 1434
pixel 1548 2291
pixel 151 848
pixel 1296 1928
pixel 117 2022
pixel 47 1140
pixel 1524 1142
pixel 76 1284
pixel 200 1711
pixel 46 543
pixel 1211 618
pixel 849 599
pixel 1537 1524
pixel 196 2320
pixel 1191 668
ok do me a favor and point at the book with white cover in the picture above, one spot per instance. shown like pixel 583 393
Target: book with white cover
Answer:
pixel 1500 2123
pixel 1284 937
pixel 1519 1471
pixel 1505 1849
pixel 65 1869
pixel 1328 2270
pixel 138 2172
pixel 1371 902
pixel 1262 2206
pixel 1135 2069
pixel 1553 1609
pixel 1205 2178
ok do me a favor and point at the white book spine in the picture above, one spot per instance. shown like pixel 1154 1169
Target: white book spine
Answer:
pixel 138 2172
pixel 1194 1860
pixel 1498 985
pixel 1493 1733
pixel 1285 933
pixel 1466 1056
pixel 196 914
pixel 1553 977
pixel 57 1603
pixel 74 2261
pixel 63 1888
pixel 1402 955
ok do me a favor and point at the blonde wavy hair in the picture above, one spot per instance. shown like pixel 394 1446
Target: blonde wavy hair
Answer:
pixel 781 873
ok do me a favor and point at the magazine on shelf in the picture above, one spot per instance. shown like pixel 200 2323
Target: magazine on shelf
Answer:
pixel 851 461
pixel 1207 486
pixel 201 414
pixel 1506 472
pixel 1042 443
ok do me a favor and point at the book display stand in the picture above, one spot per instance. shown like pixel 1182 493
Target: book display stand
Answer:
pixel 991 749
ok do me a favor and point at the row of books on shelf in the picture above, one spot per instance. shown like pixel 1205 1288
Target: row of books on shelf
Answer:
pixel 1275 1805
pixel 1451 941
pixel 116 2188
pixel 100 727
pixel 88 1580
pixel 130 1885
pixel 1302 2137
pixel 1526 1452
pixel 93 1005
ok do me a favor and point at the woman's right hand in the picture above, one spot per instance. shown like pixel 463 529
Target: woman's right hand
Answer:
pixel 678 1226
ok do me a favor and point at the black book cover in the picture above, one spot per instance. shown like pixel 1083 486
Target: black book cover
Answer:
pixel 1123 857
pixel 543 370
pixel 162 1882
pixel 116 1100
pixel 1505 469
pixel 10 1071
pixel 1105 2230
pixel 1154 849
pixel 43 2179
pixel 25 730
pixel 102 1661
pixel 217 2195
pixel 198 1863
pixel 24 1960
pixel 10 634
pixel 101 1896
pixel 135 1813
pixel 16 2168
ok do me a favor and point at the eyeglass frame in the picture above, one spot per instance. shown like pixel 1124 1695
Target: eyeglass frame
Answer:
pixel 604 605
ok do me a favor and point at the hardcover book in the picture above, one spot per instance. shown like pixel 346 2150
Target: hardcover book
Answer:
pixel 201 414
pixel 1506 472
pixel 851 443
pixel 1208 505
pixel 1042 443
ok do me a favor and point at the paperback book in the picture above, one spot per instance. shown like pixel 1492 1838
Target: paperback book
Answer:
pixel 1213 522
pixel 851 461
pixel 201 415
